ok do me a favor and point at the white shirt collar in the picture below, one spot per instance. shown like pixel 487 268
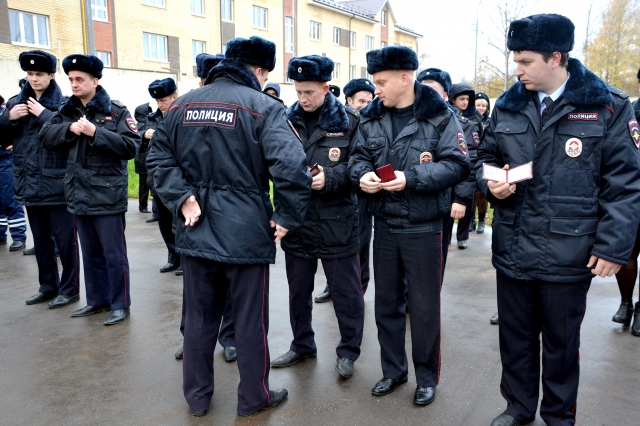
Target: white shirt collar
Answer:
pixel 555 95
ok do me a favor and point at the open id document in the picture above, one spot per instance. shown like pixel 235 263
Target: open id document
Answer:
pixel 517 174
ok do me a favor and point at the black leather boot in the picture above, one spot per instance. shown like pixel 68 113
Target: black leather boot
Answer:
pixel 625 312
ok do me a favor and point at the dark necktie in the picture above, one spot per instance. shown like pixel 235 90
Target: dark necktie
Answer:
pixel 547 110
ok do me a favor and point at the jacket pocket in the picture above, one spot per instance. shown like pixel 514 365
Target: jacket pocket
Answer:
pixel 52 182
pixel 512 139
pixel 590 137
pixel 503 232
pixel 335 225
pixel 106 190
pixel 570 241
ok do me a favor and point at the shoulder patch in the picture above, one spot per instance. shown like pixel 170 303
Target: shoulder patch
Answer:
pixel 634 132
pixel 131 123
pixel 476 138
pixel 117 103
pixel 462 145
pixel 210 115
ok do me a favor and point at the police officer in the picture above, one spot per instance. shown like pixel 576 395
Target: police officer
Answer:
pixel 569 222
pixel 140 114
pixel 358 93
pixel 204 64
pixel 39 180
pixel 212 159
pixel 409 127
pixel 99 136
pixel 164 92
pixel 330 231
pixel 462 97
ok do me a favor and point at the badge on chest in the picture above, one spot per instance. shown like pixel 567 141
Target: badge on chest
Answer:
pixel 334 154
pixel 426 157
pixel 573 147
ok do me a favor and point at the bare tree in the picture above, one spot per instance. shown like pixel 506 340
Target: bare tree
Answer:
pixel 587 34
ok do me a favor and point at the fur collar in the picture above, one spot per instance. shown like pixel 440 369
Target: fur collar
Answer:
pixel 50 99
pixel 236 70
pixel 155 115
pixel 428 104
pixel 101 102
pixel 583 88
pixel 333 116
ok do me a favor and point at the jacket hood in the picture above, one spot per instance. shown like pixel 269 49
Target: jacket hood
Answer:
pixel 273 86
pixel 234 68
pixel 101 102
pixel 333 116
pixel 51 98
pixel 428 104
pixel 583 88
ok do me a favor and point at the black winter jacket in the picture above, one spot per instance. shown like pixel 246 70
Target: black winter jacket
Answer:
pixel 430 150
pixel 152 122
pixel 580 202
pixel 222 143
pixel 330 229
pixel 465 190
pixel 38 174
pixel 96 178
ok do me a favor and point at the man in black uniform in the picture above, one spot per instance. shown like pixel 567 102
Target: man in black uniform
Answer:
pixel 330 231
pixel 569 222
pixel 164 92
pixel 359 93
pixel 140 114
pixel 98 135
pixel 39 180
pixel 212 159
pixel 409 127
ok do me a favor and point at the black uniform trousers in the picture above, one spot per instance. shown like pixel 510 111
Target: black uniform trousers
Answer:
pixel 143 191
pixel 104 254
pixel 206 285
pixel 165 223
pixel 526 309
pixel 51 225
pixel 343 278
pixel 419 256
pixel 365 230
pixel 227 335
pixel 462 232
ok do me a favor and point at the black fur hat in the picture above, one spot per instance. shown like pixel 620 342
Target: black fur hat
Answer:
pixel 546 32
pixel 254 51
pixel 438 75
pixel 204 63
pixel 310 68
pixel 162 88
pixel 85 63
pixel 391 58
pixel 358 85
pixel 37 60
pixel 335 90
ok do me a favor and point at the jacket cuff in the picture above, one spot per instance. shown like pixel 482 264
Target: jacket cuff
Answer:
pixel 410 177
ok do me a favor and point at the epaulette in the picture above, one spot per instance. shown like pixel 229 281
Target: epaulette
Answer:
pixel 351 110
pixel 462 118
pixel 614 90
pixel 117 103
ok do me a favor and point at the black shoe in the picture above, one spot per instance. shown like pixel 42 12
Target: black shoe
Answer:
pixel 462 244
pixel 30 251
pixel 145 210
pixel 506 420
pixel 152 219
pixel 635 328
pixel 325 296
pixel 180 353
pixel 472 227
pixel 41 297
pixel 170 267
pixel 63 300
pixel 117 316
pixel 289 359
pixel 180 271
pixel 229 354
pixel 17 245
pixel 277 396
pixel 480 229
pixel 344 366
pixel 89 310
pixel 424 396
pixel 625 313
pixel 494 319
pixel 199 413
pixel 386 386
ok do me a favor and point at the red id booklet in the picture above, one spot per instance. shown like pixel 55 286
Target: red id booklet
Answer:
pixel 517 174
pixel 386 173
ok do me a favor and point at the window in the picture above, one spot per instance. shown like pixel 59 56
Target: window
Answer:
pixel 352 40
pixel 226 11
pixel 105 57
pixel 158 3
pixel 368 43
pixel 383 44
pixel 352 72
pixel 335 75
pixel 197 7
pixel 288 34
pixel 336 35
pixel 154 47
pixel 259 17
pixel 314 30
pixel 29 28
pixel 383 18
pixel 99 10
pixel 197 47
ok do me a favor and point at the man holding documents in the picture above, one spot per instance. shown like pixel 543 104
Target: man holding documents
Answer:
pixel 571 220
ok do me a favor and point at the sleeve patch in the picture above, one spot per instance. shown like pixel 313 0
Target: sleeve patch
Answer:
pixel 132 124
pixel 634 132
pixel 462 144
pixel 476 138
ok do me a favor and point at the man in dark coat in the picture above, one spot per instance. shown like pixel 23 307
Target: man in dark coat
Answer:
pixel 212 159
pixel 39 180
pixel 410 128
pixel 140 114
pixel 330 231
pixel 569 222
pixel 98 135
pixel 462 97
